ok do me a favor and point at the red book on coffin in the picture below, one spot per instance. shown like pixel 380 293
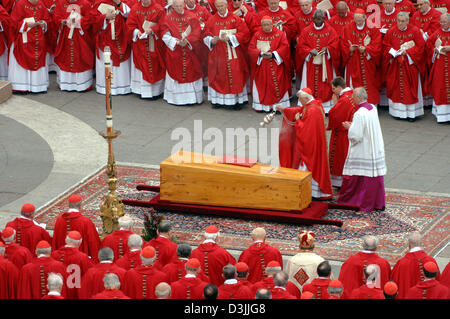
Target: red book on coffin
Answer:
pixel 236 160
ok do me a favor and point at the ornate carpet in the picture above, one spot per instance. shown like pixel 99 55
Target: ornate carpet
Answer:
pixel 404 213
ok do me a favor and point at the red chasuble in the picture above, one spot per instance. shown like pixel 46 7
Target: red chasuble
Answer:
pixel 342 111
pixel 362 68
pixel 310 147
pixel 177 270
pixel 28 234
pixel 75 54
pixel 445 277
pixel 234 291
pixel 227 66
pixel 33 277
pixel 213 258
pixel 288 25
pixel 9 277
pixel 5 34
pixel 92 281
pixel 72 256
pixel 185 66
pixel 352 271
pixel 118 242
pixel 428 289
pixel 267 283
pixel 140 282
pixel 52 297
pixel 338 23
pixel 67 222
pixel 388 20
pixel 406 6
pixel 402 77
pixel 166 250
pixel 272 80
pixel 257 256
pixel 120 46
pixel 439 69
pixel 365 292
pixel 441 4
pixel 408 271
pixel 31 55
pixel 131 260
pixel 18 255
pixel 303 20
pixel 319 287
pixel 279 293
pixel 428 22
pixel 310 39
pixel 247 17
pixel 148 53
pixel 362 4
pixel 111 294
pixel 188 288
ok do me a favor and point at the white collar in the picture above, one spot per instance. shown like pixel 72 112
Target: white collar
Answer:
pixel 398 1
pixel 258 241
pixel 446 30
pixel 283 288
pixel 106 262
pixel 404 28
pixel 323 278
pixel 308 11
pixel 414 249
pixel 209 241
pixel 344 90
pixel 223 16
pixel 54 293
pixel 368 251
pixel 278 9
pixel 136 249
pixel 319 28
pixel 429 9
pixel 182 258
pixel 189 276
pixel 72 210
pixel 230 282
pixel 191 8
pixel 42 255
pixel 389 13
pixel 362 27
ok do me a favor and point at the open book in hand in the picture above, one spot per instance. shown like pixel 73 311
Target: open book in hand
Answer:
pixel 263 46
pixel 439 47
pixel 186 33
pixel 104 8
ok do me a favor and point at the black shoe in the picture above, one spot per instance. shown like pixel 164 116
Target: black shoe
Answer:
pixel 216 106
pixel 411 120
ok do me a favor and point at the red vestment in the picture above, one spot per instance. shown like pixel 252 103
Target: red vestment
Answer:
pixel 288 25
pixel 402 77
pixel 32 54
pixel 131 260
pixel 76 54
pixel 246 283
pixel 362 4
pixel 72 256
pixel 388 20
pixel 338 23
pixel 441 4
pixel 351 274
pixel 5 35
pixel 187 288
pixel 247 17
pixel 110 294
pixel 28 234
pixel 445 276
pixel 428 289
pixel 225 57
pixel 405 6
pixel 33 277
pixel 120 47
pixel 366 292
pixel 311 39
pixel 438 81
pixel 177 270
pixel 140 282
pixel 341 112
pixel 302 20
pixel 18 255
pixel 148 58
pixel 9 278
pixel 257 256
pixel 362 68
pixel 279 293
pixel 272 80
pixel 234 291
pixel 319 287
pixel 267 283
pixel 166 250
pixel 92 281
pixel 213 258
pixel 186 67
pixel 52 297
pixel 310 146
pixel 67 222
pixel 118 242
pixel 408 271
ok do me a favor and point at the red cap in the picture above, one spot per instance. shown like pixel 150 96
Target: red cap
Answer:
pixel 430 266
pixel 335 284
pixel 75 198
pixel 307 90
pixel 193 263
pixel 28 208
pixel 8 232
pixel 148 252
pixel 43 244
pixel 212 229
pixel 266 18
pixel 2 244
pixel 273 263
pixel 359 11
pixel 390 288
pixel 74 235
pixel 241 267
pixel 307 295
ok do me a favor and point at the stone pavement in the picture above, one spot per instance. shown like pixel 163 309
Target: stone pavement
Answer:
pixel 50 142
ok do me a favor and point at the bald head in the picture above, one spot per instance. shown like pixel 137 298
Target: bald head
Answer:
pixel 415 239
pixel 258 234
pixel 370 243
pixel 342 8
pixel 162 290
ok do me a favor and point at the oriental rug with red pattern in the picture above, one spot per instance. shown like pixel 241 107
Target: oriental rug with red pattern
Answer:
pixel 404 213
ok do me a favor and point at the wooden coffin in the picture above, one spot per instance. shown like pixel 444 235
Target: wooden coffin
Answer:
pixel 193 178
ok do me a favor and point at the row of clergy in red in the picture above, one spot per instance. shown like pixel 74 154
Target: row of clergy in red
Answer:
pixel 28 264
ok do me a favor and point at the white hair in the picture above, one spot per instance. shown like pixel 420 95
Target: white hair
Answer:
pixel 361 92
pixel 111 281
pixel 370 242
pixel 148 261
pixel 415 239
pixel 304 95
pixel 403 14
pixel 54 281
pixel 162 290
pixel 44 251
pixel 134 241
pixel 211 236
pixel 73 242
pixel 273 270
pixel 125 222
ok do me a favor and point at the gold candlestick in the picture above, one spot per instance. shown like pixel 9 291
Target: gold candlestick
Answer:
pixel 112 207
